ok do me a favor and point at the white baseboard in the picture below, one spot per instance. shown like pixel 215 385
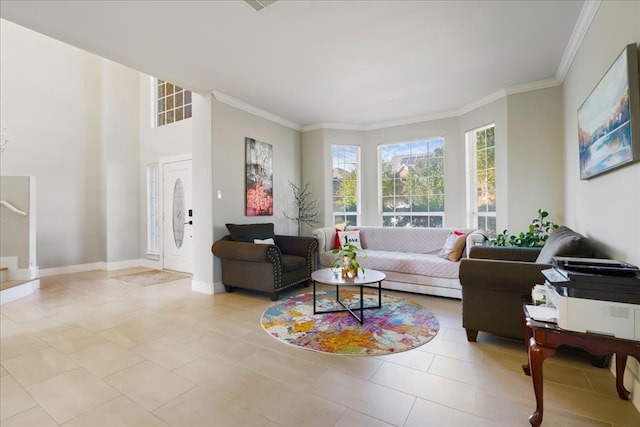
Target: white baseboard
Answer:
pixel 68 269
pixel 19 291
pixel 203 287
pixel 218 288
pixel 107 266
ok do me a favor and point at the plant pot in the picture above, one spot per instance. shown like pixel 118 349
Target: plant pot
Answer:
pixel 349 273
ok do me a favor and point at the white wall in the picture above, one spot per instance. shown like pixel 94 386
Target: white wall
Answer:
pixel 51 109
pixel 607 207
pixel 120 140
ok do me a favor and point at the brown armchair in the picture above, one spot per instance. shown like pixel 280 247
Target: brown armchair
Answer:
pixel 266 267
pixel 494 279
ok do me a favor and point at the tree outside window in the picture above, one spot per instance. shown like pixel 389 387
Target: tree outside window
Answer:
pixel 412 183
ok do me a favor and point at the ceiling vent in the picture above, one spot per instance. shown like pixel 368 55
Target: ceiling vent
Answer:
pixel 259 4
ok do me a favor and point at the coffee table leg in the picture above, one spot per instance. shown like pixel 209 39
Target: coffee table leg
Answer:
pixel 537 354
pixel 361 306
pixel 314 296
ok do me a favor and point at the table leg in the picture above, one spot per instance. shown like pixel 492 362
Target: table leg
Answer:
pixel 537 354
pixel 314 296
pixel 528 334
pixel 621 364
pixel 361 306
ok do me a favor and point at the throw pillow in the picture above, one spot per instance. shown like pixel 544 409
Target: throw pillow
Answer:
pixel 453 246
pixel 336 241
pixel 563 241
pixel 352 237
pixel 268 241
pixel 249 232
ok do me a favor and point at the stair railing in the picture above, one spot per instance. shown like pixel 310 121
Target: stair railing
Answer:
pixel 12 208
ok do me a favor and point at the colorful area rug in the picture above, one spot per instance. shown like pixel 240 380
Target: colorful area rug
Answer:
pixel 398 326
pixel 152 277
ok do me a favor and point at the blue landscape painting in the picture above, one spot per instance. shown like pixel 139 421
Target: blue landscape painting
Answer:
pixel 604 123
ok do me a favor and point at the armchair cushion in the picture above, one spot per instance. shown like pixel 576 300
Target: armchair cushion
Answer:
pixel 250 232
pixel 565 242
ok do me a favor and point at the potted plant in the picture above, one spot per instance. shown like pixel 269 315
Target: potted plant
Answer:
pixel 535 237
pixel 346 260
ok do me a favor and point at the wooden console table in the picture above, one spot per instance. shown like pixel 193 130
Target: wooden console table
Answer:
pixel 544 339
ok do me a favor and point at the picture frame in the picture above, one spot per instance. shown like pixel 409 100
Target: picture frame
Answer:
pixel 259 178
pixel 609 118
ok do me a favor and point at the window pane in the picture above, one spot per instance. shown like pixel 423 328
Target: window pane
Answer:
pixel 413 172
pixel 483 191
pixel 491 136
pixel 171 97
pixel 345 160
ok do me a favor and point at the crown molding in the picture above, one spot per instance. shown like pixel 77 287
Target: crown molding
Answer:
pixel 528 87
pixel 229 100
pixel 587 13
pixel 499 94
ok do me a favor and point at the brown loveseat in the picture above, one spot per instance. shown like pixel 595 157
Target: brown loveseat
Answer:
pixel 495 278
pixel 270 266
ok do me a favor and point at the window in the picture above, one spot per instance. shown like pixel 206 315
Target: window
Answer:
pixel 153 210
pixel 482 178
pixel 173 103
pixel 346 190
pixel 412 183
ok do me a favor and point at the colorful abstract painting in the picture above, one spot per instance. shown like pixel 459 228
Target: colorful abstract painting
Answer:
pixel 259 180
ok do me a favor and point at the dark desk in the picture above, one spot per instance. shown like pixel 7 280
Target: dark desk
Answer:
pixel 543 340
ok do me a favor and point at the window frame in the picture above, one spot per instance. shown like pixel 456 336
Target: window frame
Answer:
pixel 357 213
pixel 176 101
pixel 153 211
pixel 434 218
pixel 473 209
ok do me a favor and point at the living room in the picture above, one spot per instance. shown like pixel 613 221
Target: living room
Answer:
pixel 92 142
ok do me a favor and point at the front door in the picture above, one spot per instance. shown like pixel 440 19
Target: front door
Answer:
pixel 178 216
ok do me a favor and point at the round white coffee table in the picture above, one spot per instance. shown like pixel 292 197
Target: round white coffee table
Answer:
pixel 327 276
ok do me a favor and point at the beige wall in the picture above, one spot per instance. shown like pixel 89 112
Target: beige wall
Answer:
pixel 534 157
pixel 230 126
pixel 606 207
pixel 528 158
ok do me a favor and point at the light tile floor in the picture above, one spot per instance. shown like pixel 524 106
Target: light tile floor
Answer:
pixel 90 350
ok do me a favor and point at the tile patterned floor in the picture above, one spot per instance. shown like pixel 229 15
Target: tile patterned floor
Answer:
pixel 90 350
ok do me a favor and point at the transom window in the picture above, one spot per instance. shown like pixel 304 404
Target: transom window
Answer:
pixel 346 191
pixel 482 178
pixel 173 103
pixel 412 183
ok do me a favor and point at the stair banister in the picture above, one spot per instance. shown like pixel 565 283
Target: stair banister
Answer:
pixel 12 208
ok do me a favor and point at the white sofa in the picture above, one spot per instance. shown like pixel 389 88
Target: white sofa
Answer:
pixel 408 257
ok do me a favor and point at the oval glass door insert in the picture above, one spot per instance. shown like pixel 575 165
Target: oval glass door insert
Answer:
pixel 178 213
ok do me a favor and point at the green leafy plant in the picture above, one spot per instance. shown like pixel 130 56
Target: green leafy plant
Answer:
pixel 346 259
pixel 535 237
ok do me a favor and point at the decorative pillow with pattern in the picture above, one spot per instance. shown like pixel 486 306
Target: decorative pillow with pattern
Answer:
pixel 454 246
pixel 349 237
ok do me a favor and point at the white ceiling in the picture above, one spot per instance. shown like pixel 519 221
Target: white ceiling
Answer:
pixel 362 64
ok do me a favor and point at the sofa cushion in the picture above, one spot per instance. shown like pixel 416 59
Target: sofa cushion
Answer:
pixel 453 246
pixel 292 263
pixel 250 232
pixel 564 242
